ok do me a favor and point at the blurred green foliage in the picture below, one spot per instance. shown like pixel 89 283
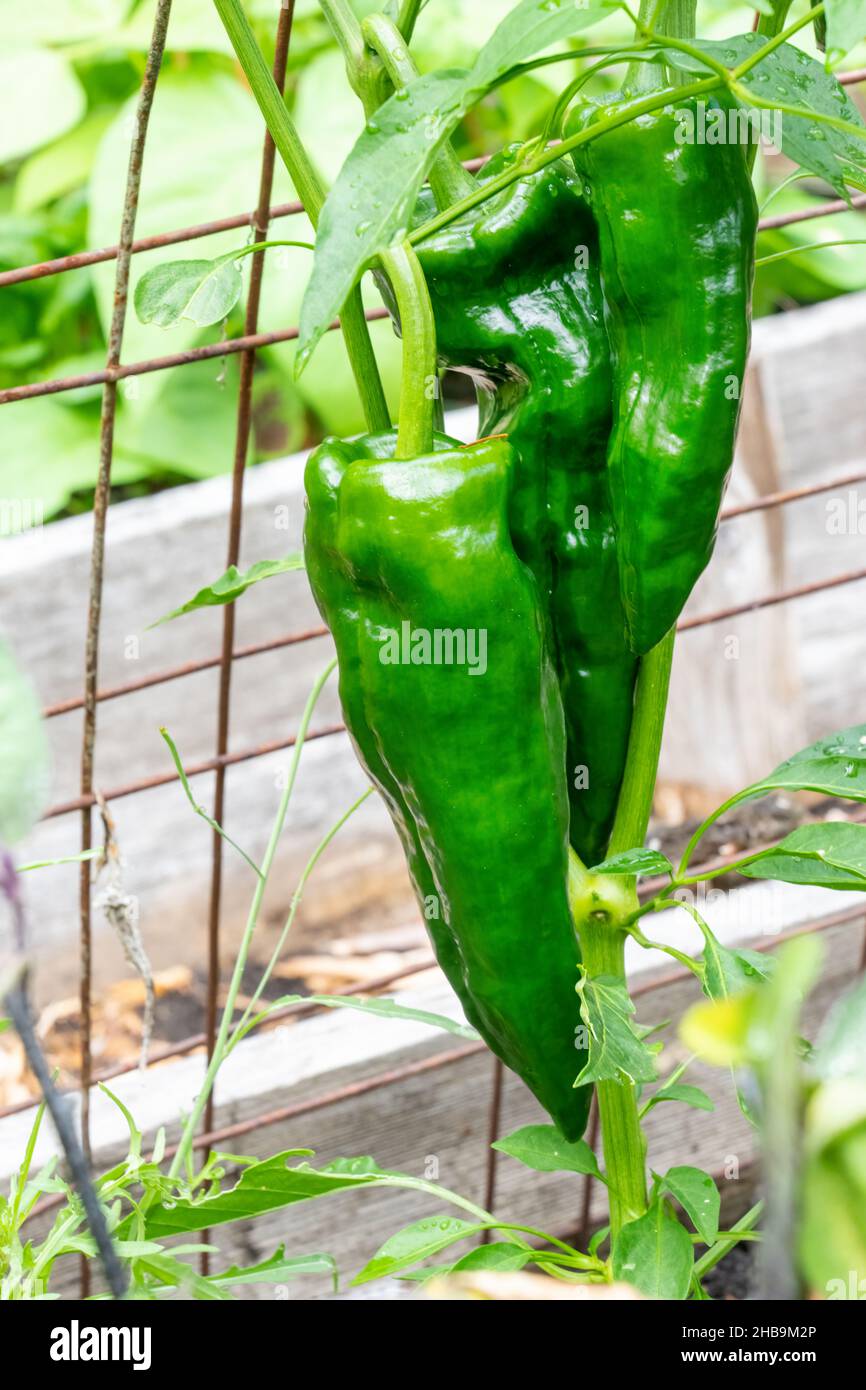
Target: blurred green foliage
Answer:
pixel 69 77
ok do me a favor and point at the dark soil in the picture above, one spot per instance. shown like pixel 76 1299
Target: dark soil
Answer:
pixel 733 1278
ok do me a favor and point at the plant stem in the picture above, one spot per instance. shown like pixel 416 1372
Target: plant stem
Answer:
pixel 311 191
pixel 675 18
pixel 602 947
pixel 407 18
pixel 724 1242
pixel 242 1027
pixel 644 746
pixel 602 936
pixel 344 25
pixel 192 1122
pixel 420 380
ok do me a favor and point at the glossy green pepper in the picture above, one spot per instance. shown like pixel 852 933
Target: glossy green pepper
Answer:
pixel 517 300
pixel 677 225
pixel 453 705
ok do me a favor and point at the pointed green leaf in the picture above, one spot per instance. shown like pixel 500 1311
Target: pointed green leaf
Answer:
pixel 681 1091
pixel 415 1243
pixel 830 855
pixel 635 861
pixel 280 1266
pixel 381 1008
pixel 232 584
pixel 498 1255
pixel 727 971
pixel 846 27
pixel 203 291
pixel 615 1050
pixel 264 1187
pixel 787 77
pixel 834 766
pixel 699 1198
pixel 841 1045
pixel 655 1254
pixel 543 1148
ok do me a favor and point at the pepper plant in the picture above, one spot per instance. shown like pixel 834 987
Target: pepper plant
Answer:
pixel 595 282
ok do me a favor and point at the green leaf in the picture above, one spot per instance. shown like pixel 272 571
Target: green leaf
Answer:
pixel 271 1185
pixel 727 971
pixel 200 810
pixel 655 1254
pixel 681 1091
pixel 60 444
pixel 61 166
pixel 635 861
pixel 500 1255
pixel 543 1148
pixel 834 766
pixel 394 154
pixel 615 1050
pixel 789 77
pixel 135 1135
pixel 24 753
pixel 264 1187
pixel 415 1243
pixel 280 1266
pixel 846 26
pixel 71 19
pixel 841 1044
pixel 380 1008
pixel 830 855
pixel 40 99
pixel 699 1198
pixel 232 584
pixel 204 292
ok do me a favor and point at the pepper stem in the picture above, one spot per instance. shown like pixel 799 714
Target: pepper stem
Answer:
pixel 644 746
pixel 420 381
pixel 676 18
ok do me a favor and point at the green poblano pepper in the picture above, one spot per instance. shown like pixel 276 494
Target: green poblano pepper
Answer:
pixel 454 708
pixel 677 223
pixel 517 299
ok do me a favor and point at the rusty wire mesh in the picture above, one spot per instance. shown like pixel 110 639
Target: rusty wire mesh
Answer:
pixel 93 694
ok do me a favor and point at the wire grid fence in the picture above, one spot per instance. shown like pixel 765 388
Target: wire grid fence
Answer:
pixel 222 662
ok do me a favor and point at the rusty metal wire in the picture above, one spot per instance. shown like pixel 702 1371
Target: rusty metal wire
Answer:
pixel 161 779
pixel 242 440
pixel 737 610
pixel 100 515
pixel 187 668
